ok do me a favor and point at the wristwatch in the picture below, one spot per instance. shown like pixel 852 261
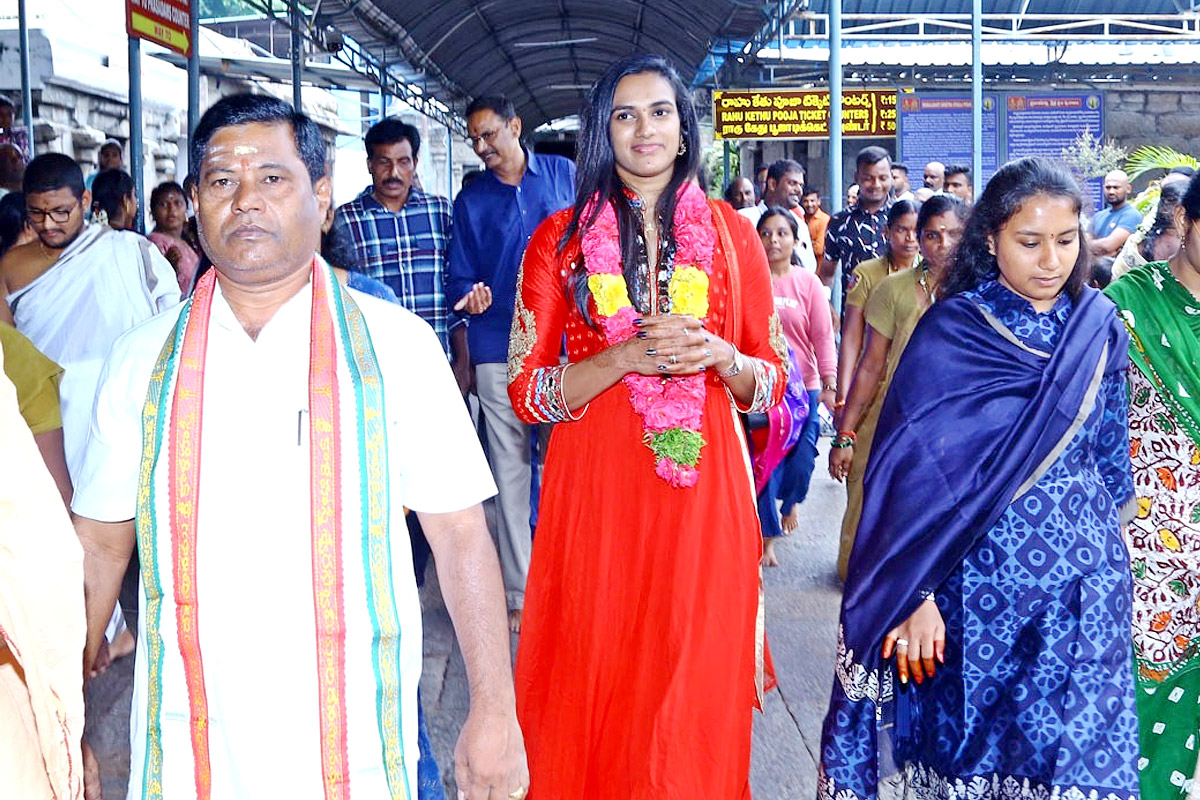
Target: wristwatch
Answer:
pixel 734 368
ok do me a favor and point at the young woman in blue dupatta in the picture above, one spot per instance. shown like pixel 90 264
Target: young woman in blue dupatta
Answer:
pixel 989 561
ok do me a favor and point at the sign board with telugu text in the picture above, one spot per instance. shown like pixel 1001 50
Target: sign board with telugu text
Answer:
pixel 802 114
pixel 165 22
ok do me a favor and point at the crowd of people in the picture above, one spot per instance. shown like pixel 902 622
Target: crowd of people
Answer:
pixel 649 369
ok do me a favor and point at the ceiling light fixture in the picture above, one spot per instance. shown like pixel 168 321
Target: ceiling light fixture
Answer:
pixel 558 42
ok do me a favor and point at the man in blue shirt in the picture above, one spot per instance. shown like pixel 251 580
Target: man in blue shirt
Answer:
pixel 1112 226
pixel 494 218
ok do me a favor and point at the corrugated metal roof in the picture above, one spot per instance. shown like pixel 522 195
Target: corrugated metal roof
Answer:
pixel 542 54
pixel 1070 7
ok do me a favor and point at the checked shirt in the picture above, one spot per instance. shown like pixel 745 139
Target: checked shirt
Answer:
pixel 405 250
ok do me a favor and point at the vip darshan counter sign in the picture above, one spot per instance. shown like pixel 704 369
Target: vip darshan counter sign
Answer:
pixel 165 22
pixel 771 114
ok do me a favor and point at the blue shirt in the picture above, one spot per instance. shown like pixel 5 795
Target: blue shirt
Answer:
pixel 492 224
pixel 405 250
pixel 1108 220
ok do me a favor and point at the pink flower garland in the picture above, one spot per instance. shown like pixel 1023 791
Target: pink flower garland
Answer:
pixel 671 408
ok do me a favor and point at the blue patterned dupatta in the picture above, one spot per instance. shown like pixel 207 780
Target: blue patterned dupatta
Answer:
pixel 973 418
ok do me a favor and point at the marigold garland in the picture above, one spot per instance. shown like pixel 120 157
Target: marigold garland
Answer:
pixel 671 408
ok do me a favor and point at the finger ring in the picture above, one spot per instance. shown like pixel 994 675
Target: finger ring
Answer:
pixel 673 359
pixel 902 643
pixel 708 353
pixel 519 794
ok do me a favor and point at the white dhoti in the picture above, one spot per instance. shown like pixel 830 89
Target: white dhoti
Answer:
pixel 103 284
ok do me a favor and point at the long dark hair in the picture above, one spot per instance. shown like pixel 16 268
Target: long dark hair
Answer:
pixel 1006 192
pixel 596 167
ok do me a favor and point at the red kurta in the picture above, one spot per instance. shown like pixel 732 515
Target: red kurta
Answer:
pixel 640 644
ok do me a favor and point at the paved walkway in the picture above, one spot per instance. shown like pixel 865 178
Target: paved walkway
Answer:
pixel 802 605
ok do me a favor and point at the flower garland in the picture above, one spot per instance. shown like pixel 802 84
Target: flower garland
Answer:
pixel 671 408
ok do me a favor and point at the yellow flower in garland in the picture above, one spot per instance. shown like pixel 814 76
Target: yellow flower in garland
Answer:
pixel 609 292
pixel 689 292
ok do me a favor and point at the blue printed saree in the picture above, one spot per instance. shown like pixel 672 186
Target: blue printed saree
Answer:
pixel 1000 466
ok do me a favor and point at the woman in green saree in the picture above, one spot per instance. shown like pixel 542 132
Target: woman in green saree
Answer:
pixel 1160 304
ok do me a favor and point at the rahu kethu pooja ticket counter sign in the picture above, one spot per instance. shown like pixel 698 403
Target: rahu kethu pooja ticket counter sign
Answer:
pixel 802 114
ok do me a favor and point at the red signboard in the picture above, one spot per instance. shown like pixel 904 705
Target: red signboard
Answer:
pixel 165 22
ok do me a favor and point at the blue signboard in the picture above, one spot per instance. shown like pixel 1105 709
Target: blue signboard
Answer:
pixel 937 127
pixel 1047 124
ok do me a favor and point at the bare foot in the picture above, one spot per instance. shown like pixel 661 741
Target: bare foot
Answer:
pixel 122 646
pixel 790 521
pixel 769 559
pixel 514 620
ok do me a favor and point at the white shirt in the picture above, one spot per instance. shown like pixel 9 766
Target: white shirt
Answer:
pixel 254 585
pixel 804 247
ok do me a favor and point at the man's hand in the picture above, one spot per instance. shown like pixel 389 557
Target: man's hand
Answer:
pixel 489 759
pixel 476 301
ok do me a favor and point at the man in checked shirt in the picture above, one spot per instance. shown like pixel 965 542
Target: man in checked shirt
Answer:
pixel 398 235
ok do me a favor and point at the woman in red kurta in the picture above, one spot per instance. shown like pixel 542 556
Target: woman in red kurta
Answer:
pixel 641 650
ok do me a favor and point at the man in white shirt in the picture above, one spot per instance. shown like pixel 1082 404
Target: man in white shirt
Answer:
pixel 785 188
pixel 279 645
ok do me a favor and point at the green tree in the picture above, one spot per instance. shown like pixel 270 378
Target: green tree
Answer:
pixel 1090 157
pixel 1149 158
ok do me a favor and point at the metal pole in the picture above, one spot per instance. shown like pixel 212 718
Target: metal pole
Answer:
pixel 977 96
pixel 26 88
pixel 136 156
pixel 449 162
pixel 781 31
pixel 193 71
pixel 725 163
pixel 297 57
pixel 383 80
pixel 835 128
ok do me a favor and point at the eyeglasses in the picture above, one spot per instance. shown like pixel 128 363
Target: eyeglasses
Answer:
pixel 486 137
pixel 38 215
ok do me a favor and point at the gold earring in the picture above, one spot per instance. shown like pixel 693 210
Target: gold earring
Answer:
pixel 682 147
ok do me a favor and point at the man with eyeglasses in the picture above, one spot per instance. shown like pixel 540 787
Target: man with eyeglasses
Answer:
pixel 77 287
pixel 493 220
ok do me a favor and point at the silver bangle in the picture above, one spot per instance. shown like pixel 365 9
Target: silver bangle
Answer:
pixel 735 368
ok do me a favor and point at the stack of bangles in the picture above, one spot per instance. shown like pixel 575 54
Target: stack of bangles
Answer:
pixel 843 440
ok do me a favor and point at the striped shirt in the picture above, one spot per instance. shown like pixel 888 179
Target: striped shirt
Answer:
pixel 405 250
